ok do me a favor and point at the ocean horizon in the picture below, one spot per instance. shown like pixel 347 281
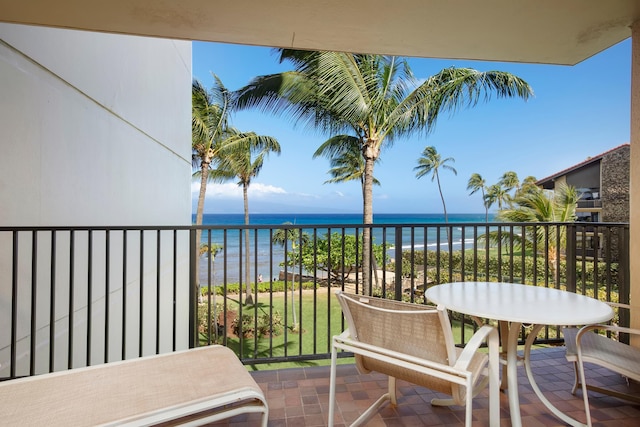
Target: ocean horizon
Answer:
pixel 266 258
pixel 338 218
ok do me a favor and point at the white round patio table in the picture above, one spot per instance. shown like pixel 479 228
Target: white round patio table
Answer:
pixel 521 304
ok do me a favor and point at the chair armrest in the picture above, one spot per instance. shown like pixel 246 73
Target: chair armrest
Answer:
pixel 391 356
pixel 490 333
pixel 621 305
pixel 612 328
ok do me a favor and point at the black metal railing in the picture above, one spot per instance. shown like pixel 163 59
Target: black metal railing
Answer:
pixel 589 204
pixel 78 296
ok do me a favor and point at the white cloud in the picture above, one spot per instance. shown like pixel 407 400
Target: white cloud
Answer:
pixel 260 190
pixel 231 190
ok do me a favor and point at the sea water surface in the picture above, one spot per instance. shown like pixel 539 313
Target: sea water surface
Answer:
pixel 266 259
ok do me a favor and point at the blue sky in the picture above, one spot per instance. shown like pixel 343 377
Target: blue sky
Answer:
pixel 577 112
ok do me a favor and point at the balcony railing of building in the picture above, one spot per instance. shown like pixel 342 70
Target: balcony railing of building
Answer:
pixel 72 297
pixel 589 204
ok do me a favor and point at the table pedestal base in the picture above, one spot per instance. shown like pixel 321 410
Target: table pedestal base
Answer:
pixel 512 331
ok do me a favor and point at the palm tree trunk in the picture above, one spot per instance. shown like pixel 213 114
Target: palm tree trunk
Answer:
pixel 367 218
pixel 247 257
pixel 446 218
pixel 444 207
pixel 486 208
pixel 204 172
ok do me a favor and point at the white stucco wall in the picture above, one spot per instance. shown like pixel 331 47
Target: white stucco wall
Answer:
pixel 634 193
pixel 94 131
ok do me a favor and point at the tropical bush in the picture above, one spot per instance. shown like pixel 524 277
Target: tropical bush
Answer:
pixel 522 269
pixel 266 325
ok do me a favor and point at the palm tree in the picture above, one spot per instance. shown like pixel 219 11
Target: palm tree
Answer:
pixel 244 160
pixel 429 163
pixel 509 181
pixel 347 164
pixel 477 182
pixel 540 205
pixel 211 251
pixel 496 193
pixel 281 237
pixel 345 157
pixel 209 132
pixel 528 185
pixel 374 97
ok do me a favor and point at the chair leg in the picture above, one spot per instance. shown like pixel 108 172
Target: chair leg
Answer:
pixel 576 381
pixel 392 391
pixel 585 395
pixel 494 380
pixel 442 402
pixel 504 334
pixel 371 411
pixel 332 385
pixel 468 413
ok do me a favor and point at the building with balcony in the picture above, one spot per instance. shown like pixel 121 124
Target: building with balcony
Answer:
pixel 95 132
pixel 602 182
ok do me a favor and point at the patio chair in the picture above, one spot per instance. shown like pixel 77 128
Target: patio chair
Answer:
pixel 415 343
pixel 585 345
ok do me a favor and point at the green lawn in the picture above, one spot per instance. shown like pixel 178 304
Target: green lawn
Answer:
pixel 319 318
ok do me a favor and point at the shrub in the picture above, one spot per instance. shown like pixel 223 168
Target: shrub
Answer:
pixel 266 325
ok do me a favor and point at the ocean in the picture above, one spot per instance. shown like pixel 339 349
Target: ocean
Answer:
pixel 268 257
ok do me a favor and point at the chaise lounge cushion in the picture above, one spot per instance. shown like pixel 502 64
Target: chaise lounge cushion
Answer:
pixel 140 391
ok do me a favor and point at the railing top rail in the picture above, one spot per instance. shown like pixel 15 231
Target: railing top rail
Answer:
pixel 302 226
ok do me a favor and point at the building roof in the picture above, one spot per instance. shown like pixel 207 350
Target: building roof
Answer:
pixel 587 162
pixel 534 31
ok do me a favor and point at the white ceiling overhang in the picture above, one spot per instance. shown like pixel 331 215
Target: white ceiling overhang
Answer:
pixel 534 31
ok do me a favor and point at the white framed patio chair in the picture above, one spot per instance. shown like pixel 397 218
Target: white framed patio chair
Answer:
pixel 414 343
pixel 585 345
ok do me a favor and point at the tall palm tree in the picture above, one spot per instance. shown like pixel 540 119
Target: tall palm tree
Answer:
pixel 374 97
pixel 281 237
pixel 509 181
pixel 477 183
pixel 496 193
pixel 528 185
pixel 244 161
pixel 209 132
pixel 211 252
pixel 430 162
pixel 345 157
pixel 347 164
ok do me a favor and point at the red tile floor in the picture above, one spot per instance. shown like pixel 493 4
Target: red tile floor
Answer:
pixel 300 397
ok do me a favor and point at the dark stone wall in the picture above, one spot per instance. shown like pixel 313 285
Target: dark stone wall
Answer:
pixel 615 185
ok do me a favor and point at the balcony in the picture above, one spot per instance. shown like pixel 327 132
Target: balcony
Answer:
pixel 299 397
pixel 82 296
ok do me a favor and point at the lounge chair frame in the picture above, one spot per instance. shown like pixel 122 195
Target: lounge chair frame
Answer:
pixel 189 388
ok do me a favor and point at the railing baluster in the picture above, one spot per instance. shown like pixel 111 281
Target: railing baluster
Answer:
pixel 123 350
pixel 158 249
pixel 398 258
pixel 141 296
pixel 14 305
pixel 107 293
pixel 52 304
pixel 89 293
pixel 71 297
pixel 175 291
pixel 34 301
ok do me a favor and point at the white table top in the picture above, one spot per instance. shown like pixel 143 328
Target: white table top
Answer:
pixel 520 303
